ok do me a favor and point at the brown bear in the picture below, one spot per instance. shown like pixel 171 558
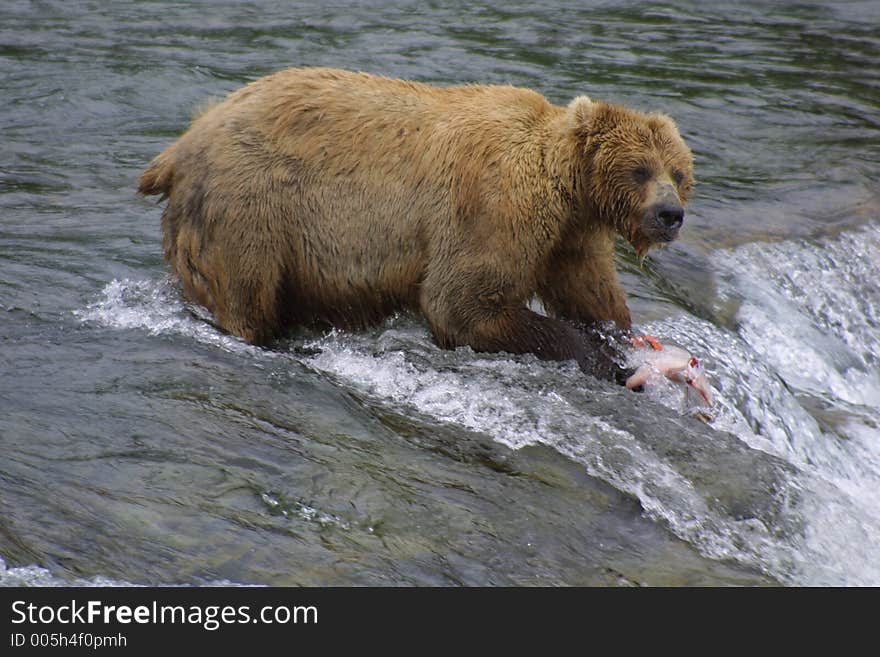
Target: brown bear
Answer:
pixel 321 195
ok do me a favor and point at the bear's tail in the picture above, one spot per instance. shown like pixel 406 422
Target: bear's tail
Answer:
pixel 157 178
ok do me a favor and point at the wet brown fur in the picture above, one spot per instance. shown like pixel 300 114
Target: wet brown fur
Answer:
pixel 338 197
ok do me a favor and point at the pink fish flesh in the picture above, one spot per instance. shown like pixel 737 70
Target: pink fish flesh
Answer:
pixel 676 364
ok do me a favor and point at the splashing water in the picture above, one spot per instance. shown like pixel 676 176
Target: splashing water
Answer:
pixel 157 308
pixel 42 577
pixel 795 378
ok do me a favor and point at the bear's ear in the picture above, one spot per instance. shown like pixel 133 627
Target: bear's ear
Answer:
pixel 581 112
pixel 660 121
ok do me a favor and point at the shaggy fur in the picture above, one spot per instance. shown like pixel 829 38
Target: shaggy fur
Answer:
pixel 319 195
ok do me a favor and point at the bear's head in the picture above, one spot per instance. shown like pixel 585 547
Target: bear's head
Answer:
pixel 638 171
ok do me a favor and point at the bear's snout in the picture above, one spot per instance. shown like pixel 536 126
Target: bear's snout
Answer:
pixel 670 216
pixel 664 217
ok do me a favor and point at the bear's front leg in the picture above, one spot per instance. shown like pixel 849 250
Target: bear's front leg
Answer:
pixel 580 282
pixel 478 310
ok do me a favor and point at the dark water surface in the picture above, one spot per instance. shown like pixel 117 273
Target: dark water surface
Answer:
pixel 140 445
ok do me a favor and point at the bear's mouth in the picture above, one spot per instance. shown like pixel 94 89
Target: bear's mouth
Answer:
pixel 659 225
pixel 644 240
pixel 642 249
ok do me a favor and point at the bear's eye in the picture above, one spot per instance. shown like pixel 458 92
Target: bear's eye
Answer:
pixel 678 176
pixel 641 174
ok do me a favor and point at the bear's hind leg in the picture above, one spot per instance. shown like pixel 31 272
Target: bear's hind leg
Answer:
pixel 242 296
pixel 251 310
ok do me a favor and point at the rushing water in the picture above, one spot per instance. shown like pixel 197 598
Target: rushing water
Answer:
pixel 141 445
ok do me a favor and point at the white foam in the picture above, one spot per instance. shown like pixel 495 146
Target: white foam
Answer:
pixel 38 576
pixel 812 311
pixel 303 511
pixel 155 306
pixel 515 402
pixel 809 315
pixel 807 324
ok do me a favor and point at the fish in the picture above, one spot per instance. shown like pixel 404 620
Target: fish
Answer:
pixel 653 358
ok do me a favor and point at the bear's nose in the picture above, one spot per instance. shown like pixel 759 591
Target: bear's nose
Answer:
pixel 670 216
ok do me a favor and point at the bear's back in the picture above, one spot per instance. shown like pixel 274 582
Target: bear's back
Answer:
pixel 326 194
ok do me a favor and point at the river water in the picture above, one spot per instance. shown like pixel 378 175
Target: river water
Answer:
pixel 140 445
